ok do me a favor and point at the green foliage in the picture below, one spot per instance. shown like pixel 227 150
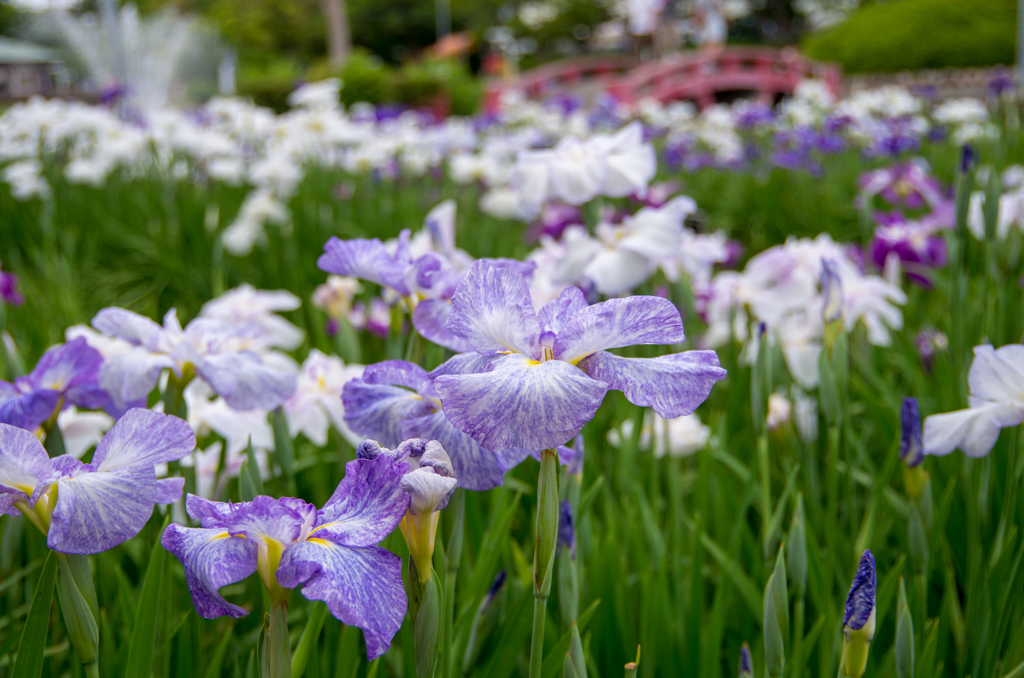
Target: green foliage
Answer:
pixel 918 34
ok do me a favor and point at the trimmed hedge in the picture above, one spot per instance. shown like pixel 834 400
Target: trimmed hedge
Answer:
pixel 918 34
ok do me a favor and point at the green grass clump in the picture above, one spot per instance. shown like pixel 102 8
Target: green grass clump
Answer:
pixel 919 34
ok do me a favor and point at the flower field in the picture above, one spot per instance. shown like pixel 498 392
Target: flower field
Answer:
pixel 551 391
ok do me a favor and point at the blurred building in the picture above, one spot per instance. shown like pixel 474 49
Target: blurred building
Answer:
pixel 27 69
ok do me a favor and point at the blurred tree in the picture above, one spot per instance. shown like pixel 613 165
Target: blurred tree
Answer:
pixel 10 18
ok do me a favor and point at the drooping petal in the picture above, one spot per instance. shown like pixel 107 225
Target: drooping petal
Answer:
pixel 492 311
pixel 365 259
pixel 144 437
pixel 378 410
pixel 27 410
pixel 997 375
pixel 674 385
pixel 476 468
pixel 616 323
pixel 212 559
pixel 367 505
pixel 429 319
pixel 246 381
pixel 97 511
pixel 429 491
pixel 555 313
pixel 124 324
pixel 521 403
pixel 131 376
pixel 974 430
pixel 24 465
pixel 399 373
pixel 361 586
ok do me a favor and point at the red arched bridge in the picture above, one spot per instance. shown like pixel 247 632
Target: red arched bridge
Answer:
pixel 706 77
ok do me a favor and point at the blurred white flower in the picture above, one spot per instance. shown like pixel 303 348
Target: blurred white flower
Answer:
pixel 317 401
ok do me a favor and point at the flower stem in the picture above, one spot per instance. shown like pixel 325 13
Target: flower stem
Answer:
pixel 540 605
pixel 544 555
pixel 766 493
pixel 457 506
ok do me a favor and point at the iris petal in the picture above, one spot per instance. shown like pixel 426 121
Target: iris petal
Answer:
pixel 97 511
pixel 521 403
pixel 367 505
pixel 212 559
pixel 616 323
pixel 492 310
pixel 144 437
pixel 674 385
pixel 361 586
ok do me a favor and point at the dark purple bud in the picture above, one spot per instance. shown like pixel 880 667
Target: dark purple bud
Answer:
pixel 860 604
pixel 567 529
pixel 746 666
pixel 492 593
pixel 911 450
pixel 966 158
pixel 332 327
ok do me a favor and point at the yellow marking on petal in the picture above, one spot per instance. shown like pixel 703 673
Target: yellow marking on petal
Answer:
pixel 532 363
pixel 316 540
pixel 227 535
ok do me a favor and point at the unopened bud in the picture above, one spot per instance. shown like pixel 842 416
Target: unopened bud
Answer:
pixel 746 665
pixel 859 621
pixel 797 550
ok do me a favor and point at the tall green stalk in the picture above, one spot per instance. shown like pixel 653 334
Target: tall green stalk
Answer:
pixel 544 555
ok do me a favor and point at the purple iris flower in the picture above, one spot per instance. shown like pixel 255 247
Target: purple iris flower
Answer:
pixel 9 293
pixel 567 528
pixel 907 184
pixel 541 377
pixel 89 508
pixel 554 219
pixel 426 283
pixel 66 374
pixel 395 400
pixel 330 552
pixel 228 356
pixel 916 243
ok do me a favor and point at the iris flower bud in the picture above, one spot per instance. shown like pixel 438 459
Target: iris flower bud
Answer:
pixel 859 622
pixel 776 618
pixel 904 649
pixel 746 665
pixel 430 484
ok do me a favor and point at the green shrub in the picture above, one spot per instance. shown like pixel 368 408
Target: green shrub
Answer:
pixel 918 34
pixel 365 78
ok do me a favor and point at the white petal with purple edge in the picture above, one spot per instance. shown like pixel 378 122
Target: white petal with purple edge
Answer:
pixel 492 310
pixel 429 319
pixel 144 437
pixel 97 511
pixel 361 586
pixel 521 403
pixel 367 505
pixel 674 385
pixel 476 468
pixel 246 382
pixel 974 430
pixel 617 323
pixel 212 559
